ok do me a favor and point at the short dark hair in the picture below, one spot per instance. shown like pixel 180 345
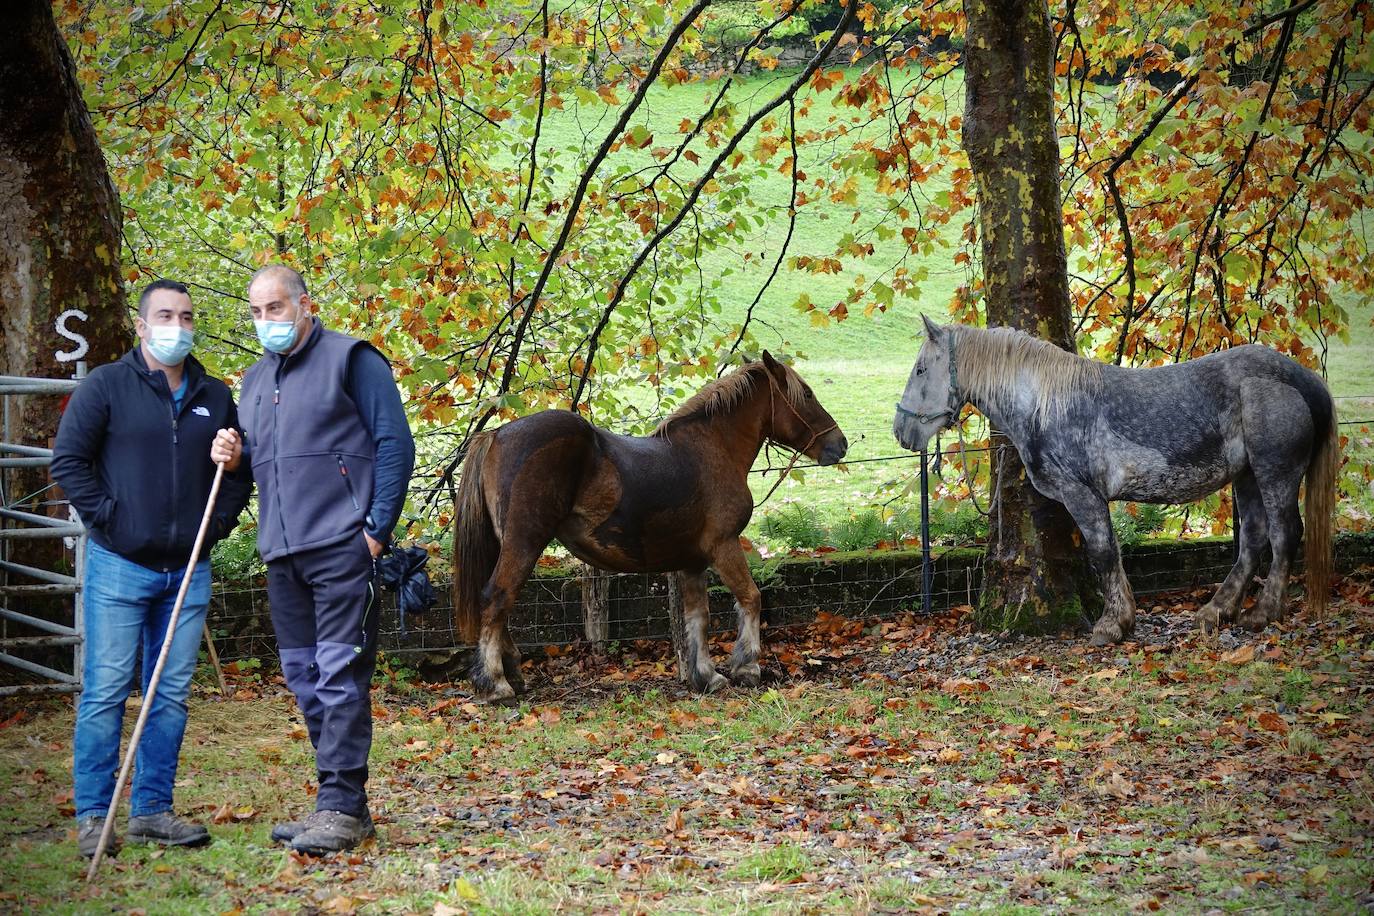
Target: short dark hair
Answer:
pixel 153 287
pixel 293 281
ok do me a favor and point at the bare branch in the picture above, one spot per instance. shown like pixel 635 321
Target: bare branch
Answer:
pixel 787 240
pixel 575 205
pixel 812 65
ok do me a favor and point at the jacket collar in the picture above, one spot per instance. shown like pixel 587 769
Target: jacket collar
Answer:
pixel 192 370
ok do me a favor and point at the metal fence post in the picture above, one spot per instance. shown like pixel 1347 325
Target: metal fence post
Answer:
pixel 927 574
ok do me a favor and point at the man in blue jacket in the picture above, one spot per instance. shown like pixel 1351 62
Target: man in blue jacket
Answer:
pixel 133 455
pixel 328 444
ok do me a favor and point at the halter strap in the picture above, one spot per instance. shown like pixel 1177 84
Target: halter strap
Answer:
pixel 796 453
pixel 952 410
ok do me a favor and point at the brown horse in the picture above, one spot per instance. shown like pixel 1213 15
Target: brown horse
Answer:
pixel 675 501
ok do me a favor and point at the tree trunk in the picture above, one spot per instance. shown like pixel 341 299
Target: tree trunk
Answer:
pixel 59 220
pixel 1036 579
pixel 61 292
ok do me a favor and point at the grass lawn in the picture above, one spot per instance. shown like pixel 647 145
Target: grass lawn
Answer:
pixel 906 766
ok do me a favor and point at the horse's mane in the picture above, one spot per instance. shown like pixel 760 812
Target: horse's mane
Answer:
pixel 728 392
pixel 992 362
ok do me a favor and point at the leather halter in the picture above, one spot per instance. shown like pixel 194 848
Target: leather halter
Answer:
pixel 796 453
pixel 949 414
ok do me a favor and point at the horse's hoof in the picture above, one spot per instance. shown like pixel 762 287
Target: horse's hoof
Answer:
pixel 704 682
pixel 1105 636
pixel 716 683
pixel 746 675
pixel 500 695
pixel 1209 619
pixel 1255 619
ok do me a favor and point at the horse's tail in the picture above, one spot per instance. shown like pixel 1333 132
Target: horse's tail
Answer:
pixel 475 545
pixel 1319 506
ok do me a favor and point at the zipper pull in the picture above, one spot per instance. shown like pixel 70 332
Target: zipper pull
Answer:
pixel 276 396
pixel 174 430
pixel 343 468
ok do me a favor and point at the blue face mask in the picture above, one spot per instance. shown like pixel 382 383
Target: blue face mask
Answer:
pixel 277 336
pixel 169 343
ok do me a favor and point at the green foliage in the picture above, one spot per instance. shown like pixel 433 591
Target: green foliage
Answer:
pixel 957 522
pixel 1134 522
pixel 734 23
pixel 236 558
pixel 806 527
pixel 859 530
pixel 397 677
pixel 826 14
pixel 797 526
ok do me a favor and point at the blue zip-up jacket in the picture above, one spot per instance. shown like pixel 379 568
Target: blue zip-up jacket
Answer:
pixel 138 469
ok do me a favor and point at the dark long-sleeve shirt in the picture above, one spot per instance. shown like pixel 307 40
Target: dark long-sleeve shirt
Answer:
pixel 370 385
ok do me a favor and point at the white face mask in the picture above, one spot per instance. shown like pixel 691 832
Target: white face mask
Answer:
pixel 169 343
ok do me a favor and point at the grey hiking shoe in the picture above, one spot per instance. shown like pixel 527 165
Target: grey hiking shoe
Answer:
pixel 88 836
pixel 332 831
pixel 287 831
pixel 166 829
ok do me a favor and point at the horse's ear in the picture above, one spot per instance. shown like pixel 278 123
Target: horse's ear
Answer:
pixel 933 330
pixel 773 366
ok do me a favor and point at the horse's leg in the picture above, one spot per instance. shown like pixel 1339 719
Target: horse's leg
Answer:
pixel 494 645
pixel 1285 533
pixel 1278 438
pixel 1252 539
pixel 734 572
pixel 1094 521
pixel 696 614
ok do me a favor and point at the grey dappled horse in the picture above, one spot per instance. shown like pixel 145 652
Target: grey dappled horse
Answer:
pixel 1090 433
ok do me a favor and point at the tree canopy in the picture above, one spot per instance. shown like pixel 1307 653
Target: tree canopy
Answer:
pixel 531 204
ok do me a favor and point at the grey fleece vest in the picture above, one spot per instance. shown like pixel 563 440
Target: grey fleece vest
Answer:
pixel 312 457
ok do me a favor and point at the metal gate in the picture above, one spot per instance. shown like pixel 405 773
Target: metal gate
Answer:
pixel 23 628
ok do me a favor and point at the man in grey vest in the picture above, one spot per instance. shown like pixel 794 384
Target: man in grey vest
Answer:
pixel 327 441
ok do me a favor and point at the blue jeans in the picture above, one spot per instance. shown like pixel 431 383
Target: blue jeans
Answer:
pixel 128 606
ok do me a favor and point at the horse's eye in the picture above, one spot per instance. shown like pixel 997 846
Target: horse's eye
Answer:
pixel 920 370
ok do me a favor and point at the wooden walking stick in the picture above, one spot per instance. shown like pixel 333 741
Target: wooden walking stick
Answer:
pixel 151 692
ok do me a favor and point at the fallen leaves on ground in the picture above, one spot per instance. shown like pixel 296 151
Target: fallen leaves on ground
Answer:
pixel 911 760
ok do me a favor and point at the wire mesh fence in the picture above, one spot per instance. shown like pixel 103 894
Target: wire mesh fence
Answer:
pixel 796 590
pixel 866 585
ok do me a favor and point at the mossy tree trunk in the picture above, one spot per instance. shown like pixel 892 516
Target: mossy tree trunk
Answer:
pixel 59 234
pixel 1036 579
pixel 59 214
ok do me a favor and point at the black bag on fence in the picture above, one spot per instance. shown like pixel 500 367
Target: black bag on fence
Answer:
pixel 402 570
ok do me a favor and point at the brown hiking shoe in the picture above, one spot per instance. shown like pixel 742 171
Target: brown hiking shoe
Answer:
pixel 286 831
pixel 88 837
pixel 332 831
pixel 166 829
